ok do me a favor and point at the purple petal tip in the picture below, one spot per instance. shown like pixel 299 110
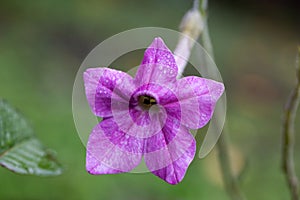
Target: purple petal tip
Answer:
pixel 158 43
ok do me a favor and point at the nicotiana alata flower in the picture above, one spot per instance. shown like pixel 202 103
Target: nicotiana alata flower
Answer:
pixel 148 116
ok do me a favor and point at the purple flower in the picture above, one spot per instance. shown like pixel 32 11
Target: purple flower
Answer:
pixel 148 116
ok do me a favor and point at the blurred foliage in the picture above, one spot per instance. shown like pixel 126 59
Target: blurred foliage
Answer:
pixel 20 151
pixel 44 42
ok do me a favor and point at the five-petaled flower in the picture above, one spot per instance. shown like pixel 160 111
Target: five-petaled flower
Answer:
pixel 148 116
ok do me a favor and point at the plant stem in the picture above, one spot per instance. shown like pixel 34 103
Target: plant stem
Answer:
pixel 192 25
pixel 196 5
pixel 288 138
pixel 230 181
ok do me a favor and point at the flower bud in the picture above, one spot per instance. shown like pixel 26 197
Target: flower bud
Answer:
pixel 192 24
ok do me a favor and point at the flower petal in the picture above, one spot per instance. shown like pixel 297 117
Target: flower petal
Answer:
pixel 158 65
pixel 197 98
pixel 100 83
pixel 110 150
pixel 171 162
pixel 175 172
pixel 168 131
pixel 93 166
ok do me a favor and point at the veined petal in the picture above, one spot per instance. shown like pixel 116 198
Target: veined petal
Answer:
pixel 171 162
pixel 110 150
pixel 158 65
pixel 101 83
pixel 169 130
pixel 197 97
pixel 175 172
pixel 93 166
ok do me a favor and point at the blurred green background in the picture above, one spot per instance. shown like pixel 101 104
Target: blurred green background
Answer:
pixel 42 44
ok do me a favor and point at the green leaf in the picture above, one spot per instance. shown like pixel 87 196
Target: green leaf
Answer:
pixel 20 150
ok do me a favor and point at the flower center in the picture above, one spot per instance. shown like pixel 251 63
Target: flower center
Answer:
pixel 146 101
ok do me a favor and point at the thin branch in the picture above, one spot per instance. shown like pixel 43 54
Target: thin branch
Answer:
pixel 230 181
pixel 192 25
pixel 196 5
pixel 288 134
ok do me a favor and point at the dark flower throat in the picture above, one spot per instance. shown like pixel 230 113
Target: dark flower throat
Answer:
pixel 146 101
